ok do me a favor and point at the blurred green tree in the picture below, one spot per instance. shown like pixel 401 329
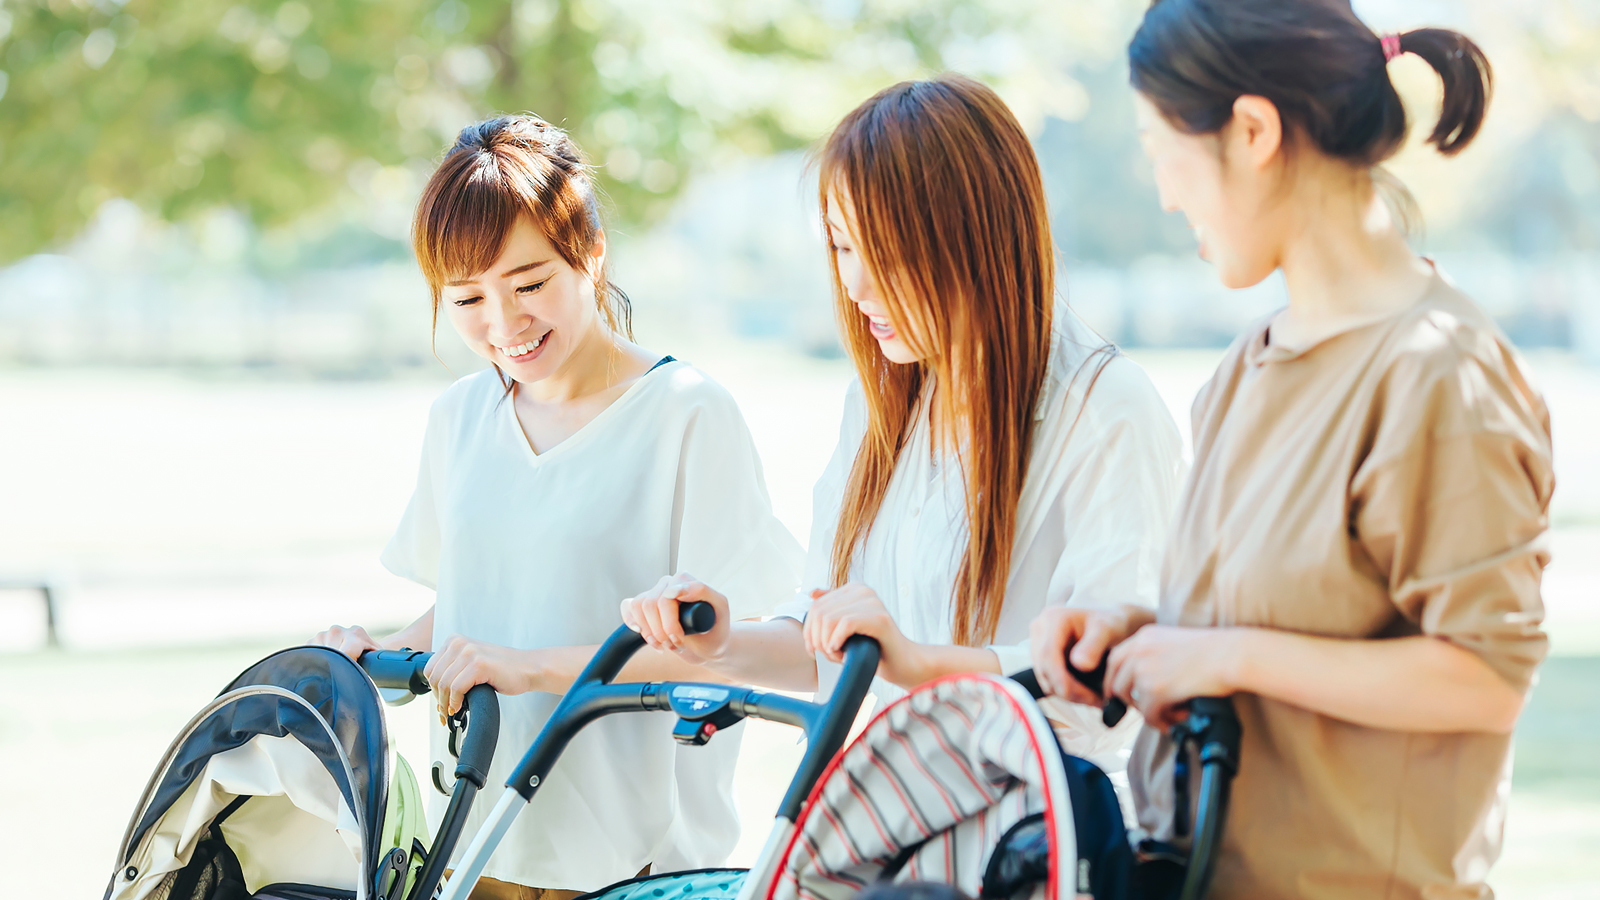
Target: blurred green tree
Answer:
pixel 1548 203
pixel 281 108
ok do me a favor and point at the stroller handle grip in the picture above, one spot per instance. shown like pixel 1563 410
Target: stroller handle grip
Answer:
pixel 482 706
pixel 397 669
pixel 403 669
pixel 1094 679
pixel 698 617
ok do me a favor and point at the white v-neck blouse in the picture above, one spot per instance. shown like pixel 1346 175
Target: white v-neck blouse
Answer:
pixel 1103 477
pixel 538 550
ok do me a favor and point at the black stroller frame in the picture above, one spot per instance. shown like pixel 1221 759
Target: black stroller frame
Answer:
pixel 473 734
pixel 1212 731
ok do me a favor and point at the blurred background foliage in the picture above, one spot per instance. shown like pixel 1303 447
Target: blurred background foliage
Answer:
pixel 281 109
pixel 215 174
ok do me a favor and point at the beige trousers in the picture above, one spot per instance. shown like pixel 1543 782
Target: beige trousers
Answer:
pixel 495 889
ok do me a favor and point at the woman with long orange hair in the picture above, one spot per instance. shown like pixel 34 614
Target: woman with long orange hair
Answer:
pixel 996 456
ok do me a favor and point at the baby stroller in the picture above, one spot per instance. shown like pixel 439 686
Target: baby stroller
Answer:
pixel 282 788
pixel 960 782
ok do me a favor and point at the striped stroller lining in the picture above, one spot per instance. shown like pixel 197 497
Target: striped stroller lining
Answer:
pixel 940 775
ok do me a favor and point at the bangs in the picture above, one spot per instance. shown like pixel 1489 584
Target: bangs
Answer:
pixel 466 215
pixel 497 172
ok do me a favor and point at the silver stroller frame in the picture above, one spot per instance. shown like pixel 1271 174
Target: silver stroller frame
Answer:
pixel 702 710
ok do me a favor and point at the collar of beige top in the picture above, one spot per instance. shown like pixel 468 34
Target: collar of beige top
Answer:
pixel 1261 350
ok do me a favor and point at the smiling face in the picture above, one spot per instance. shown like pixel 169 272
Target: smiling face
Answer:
pixel 860 286
pixel 530 310
pixel 1226 184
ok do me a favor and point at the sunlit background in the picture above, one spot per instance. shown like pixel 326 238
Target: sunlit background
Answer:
pixel 216 359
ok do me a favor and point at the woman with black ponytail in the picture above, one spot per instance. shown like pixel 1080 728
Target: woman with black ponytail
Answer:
pixel 1357 553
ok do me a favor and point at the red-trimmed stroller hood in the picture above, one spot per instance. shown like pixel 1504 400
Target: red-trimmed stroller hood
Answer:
pixel 951 766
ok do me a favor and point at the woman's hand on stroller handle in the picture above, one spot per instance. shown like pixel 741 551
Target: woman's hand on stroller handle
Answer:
pixel 670 617
pixel 351 640
pixel 854 609
pixel 461 663
pixel 1162 667
pixel 1089 635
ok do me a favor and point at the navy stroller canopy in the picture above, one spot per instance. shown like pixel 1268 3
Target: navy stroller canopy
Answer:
pixel 293 752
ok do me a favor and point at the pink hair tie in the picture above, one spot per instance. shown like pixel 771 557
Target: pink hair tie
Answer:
pixel 1391 47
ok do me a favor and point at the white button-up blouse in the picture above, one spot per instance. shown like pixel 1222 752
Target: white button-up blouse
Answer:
pixel 1103 476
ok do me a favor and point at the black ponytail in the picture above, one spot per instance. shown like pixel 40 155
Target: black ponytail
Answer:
pixel 1320 65
pixel 1468 84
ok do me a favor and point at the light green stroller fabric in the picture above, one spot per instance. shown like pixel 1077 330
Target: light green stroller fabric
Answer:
pixel 404 820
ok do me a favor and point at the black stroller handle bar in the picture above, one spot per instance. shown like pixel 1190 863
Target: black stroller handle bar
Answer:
pixel 701 708
pixel 397 669
pixel 402 669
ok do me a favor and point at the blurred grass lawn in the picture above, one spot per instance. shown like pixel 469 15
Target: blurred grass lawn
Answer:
pixel 198 525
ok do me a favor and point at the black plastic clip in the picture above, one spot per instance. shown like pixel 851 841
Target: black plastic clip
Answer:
pixel 458 725
pixel 390 882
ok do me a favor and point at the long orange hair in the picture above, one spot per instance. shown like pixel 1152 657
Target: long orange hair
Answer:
pixel 951 221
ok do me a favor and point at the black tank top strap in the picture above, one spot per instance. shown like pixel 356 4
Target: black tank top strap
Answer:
pixel 659 363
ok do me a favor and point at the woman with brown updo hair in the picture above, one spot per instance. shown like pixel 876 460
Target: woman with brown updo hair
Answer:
pixel 996 457
pixel 576 469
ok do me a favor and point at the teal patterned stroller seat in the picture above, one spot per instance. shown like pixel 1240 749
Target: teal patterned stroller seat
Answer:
pixel 696 884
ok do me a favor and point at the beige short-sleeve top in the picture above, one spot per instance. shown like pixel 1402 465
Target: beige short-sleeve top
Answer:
pixel 1390 480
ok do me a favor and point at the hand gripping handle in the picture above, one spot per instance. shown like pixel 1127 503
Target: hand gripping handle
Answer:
pixel 1094 679
pixel 698 617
